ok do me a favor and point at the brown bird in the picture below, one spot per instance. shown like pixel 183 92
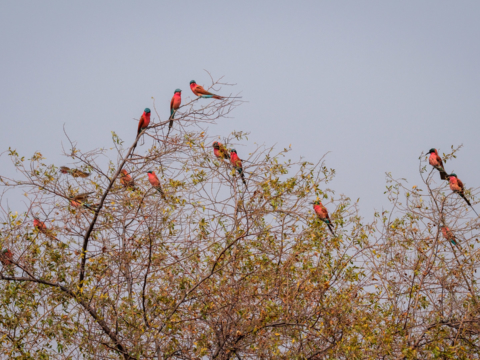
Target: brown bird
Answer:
pixel 74 172
pixel 126 180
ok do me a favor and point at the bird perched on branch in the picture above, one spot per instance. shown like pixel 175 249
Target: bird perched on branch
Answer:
pixel 448 235
pixel 437 163
pixel 220 151
pixel 201 92
pixel 322 214
pixel 152 177
pixel 144 121
pixel 456 186
pixel 237 164
pixel 41 227
pixel 6 257
pixel 80 200
pixel 142 125
pixel 74 172
pixel 174 106
pixel 126 180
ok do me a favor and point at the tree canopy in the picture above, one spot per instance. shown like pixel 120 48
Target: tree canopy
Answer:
pixel 211 268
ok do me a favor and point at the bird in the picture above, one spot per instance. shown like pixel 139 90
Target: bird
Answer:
pixel 174 106
pixel 6 257
pixel 322 214
pixel 456 186
pixel 126 180
pixel 220 151
pixel 142 125
pixel 41 227
pixel 144 121
pixel 201 92
pixel 437 163
pixel 80 200
pixel 74 172
pixel 152 177
pixel 448 235
pixel 237 164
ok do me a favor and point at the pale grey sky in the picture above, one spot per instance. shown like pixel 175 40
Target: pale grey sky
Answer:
pixel 374 82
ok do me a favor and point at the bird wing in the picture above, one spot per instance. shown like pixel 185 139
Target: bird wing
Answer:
pixel 140 124
pixel 82 197
pixel 201 91
pixel 459 182
pixel 439 160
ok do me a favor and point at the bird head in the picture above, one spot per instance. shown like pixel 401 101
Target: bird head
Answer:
pixel 452 175
pixel 124 172
pixel 316 202
pixel 193 82
pixel 147 110
pixel 150 172
pixel 177 91
pixel 432 150
pixel 233 151
pixel 216 145
pixel 64 169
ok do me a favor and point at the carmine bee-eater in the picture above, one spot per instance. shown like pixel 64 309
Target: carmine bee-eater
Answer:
pixel 220 151
pixel 237 164
pixel 80 200
pixel 73 172
pixel 126 180
pixel 457 187
pixel 322 214
pixel 174 106
pixel 41 227
pixel 152 177
pixel 437 163
pixel 144 121
pixel 6 257
pixel 448 235
pixel 142 125
pixel 201 92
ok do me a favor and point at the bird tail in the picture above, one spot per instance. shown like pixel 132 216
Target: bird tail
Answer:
pixel 162 194
pixel 243 179
pixel 464 198
pixel 172 116
pixel 331 228
pixel 443 174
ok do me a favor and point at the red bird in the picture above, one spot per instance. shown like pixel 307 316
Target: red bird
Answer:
pixel 201 92
pixel 220 151
pixel 6 257
pixel 174 105
pixel 142 125
pixel 237 164
pixel 126 180
pixel 152 177
pixel 322 214
pixel 437 163
pixel 41 227
pixel 448 235
pixel 144 121
pixel 457 187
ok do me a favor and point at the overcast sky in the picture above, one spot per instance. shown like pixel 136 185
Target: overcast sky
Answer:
pixel 373 82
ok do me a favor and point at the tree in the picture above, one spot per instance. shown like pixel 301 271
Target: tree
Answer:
pixel 214 270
